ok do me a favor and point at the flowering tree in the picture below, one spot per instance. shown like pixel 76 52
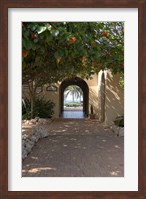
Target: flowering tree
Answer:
pixel 52 51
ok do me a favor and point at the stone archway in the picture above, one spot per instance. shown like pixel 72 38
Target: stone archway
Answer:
pixel 83 85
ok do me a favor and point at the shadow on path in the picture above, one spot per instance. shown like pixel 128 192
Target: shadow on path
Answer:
pixel 76 148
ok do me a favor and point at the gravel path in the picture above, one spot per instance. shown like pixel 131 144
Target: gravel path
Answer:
pixel 76 148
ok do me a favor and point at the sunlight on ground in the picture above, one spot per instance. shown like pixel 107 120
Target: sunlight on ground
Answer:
pixel 34 158
pixel 65 145
pixel 35 170
pixel 116 146
pixel 114 173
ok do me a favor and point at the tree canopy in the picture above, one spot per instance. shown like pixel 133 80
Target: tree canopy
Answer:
pixel 52 51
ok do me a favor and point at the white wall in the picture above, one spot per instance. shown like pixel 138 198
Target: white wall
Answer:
pixel 114 101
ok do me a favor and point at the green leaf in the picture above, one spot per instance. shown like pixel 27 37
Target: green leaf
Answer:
pixel 34 47
pixel 28 44
pixel 35 40
pixel 54 32
pixel 54 46
pixel 58 54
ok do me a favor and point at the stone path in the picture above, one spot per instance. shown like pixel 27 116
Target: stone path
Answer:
pixel 76 148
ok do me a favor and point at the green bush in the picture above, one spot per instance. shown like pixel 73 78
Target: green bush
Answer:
pixel 26 107
pixel 42 108
pixel 72 104
pixel 119 121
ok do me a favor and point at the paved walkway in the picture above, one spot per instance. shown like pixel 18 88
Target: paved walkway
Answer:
pixel 76 148
pixel 73 114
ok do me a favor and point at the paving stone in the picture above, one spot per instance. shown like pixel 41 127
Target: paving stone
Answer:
pixel 76 148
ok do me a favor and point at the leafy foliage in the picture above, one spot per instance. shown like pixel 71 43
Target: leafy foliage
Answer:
pixel 73 104
pixel 54 50
pixel 26 107
pixel 119 121
pixel 121 82
pixel 42 108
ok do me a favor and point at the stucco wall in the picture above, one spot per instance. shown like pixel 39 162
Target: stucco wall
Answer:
pixel 101 96
pixel 48 95
pixel 113 104
pixel 114 100
pixel 93 94
pixel 54 96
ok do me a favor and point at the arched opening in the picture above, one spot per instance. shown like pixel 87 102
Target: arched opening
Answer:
pixel 73 98
pixel 82 85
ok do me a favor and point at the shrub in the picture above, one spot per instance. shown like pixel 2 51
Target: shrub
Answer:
pixel 119 121
pixel 72 104
pixel 26 107
pixel 42 108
